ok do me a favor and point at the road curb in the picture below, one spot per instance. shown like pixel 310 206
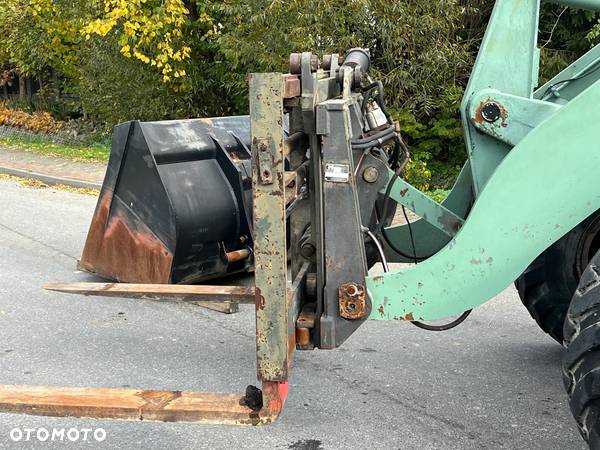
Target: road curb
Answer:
pixel 50 180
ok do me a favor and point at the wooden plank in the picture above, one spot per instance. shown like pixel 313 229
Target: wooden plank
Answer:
pixel 181 292
pixel 129 404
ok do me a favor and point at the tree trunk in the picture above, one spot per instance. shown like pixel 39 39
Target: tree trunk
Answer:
pixel 29 88
pixel 22 92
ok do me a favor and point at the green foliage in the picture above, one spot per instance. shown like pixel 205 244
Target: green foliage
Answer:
pixel 414 44
pixel 565 34
pixel 436 143
pixel 37 34
pixel 62 107
pixel 439 195
pixel 23 45
pixel 115 89
pixel 113 56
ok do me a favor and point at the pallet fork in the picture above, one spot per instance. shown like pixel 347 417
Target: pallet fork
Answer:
pixel 275 294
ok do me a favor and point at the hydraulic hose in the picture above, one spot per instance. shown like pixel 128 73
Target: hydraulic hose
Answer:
pixel 373 137
pixel 381 227
pixel 380 100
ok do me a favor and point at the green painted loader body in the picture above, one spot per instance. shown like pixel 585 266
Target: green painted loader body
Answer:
pixel 533 174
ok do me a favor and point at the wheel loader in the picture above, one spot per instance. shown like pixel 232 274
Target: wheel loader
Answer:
pixel 303 192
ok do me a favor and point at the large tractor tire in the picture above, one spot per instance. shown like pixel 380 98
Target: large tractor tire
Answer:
pixel 548 284
pixel 581 365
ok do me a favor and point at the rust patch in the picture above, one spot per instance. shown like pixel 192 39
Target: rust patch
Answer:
pixel 237 255
pixel 291 346
pixel 306 319
pixel 408 317
pixel 259 299
pixel 403 192
pixel 302 338
pixel 478 118
pixel 352 301
pixel 381 311
pixel 291 86
pixel 116 250
pixel 274 397
pixel 449 223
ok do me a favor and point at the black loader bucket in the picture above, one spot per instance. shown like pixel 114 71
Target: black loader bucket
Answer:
pixel 175 203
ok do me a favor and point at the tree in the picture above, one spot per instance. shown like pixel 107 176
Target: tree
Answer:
pixel 157 59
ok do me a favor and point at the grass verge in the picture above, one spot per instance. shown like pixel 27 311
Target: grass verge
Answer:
pixel 32 183
pixel 90 153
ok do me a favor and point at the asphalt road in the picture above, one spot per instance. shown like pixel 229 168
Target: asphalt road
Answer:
pixel 492 383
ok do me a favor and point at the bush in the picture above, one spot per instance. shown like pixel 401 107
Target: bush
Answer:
pixel 113 89
pixel 436 142
pixel 38 122
pixel 62 106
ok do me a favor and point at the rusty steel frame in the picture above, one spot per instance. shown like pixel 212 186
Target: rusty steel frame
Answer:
pixel 276 297
pixel 270 256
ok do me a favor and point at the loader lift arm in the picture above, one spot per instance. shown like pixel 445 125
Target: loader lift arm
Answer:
pixel 528 183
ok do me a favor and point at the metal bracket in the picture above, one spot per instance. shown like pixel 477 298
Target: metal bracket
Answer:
pixel 506 117
pixel 266 164
pixel 352 299
pixel 344 262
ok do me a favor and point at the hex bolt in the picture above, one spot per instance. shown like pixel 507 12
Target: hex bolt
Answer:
pixel 370 174
pixel 490 112
pixel 352 291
